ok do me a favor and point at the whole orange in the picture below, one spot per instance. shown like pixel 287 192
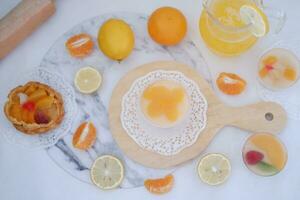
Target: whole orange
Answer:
pixel 167 26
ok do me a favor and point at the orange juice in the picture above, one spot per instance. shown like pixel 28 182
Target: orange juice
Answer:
pixel 222 29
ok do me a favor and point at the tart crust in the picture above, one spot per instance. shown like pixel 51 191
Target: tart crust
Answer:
pixel 35 128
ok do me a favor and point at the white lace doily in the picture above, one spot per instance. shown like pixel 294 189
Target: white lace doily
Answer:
pixel 51 137
pixel 289 98
pixel 165 141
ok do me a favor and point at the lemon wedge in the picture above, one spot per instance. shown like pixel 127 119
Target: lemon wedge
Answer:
pixel 253 15
pixel 214 169
pixel 107 172
pixel 87 80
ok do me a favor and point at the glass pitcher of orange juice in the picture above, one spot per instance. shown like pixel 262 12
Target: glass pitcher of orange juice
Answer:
pixel 230 27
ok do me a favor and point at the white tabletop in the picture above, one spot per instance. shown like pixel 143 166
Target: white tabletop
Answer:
pixel 33 175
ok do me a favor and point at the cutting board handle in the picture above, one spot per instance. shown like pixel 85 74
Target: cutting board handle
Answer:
pixel 259 117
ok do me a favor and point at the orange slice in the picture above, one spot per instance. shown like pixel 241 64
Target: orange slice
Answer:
pixel 84 136
pixel 230 83
pixel 160 186
pixel 80 45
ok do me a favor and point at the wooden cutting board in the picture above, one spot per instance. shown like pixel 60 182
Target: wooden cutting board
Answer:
pixel 259 117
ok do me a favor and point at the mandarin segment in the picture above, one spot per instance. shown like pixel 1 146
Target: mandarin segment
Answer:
pixel 270 60
pixel 85 136
pixel 159 186
pixel 263 72
pixel 230 83
pixel 290 74
pixel 80 45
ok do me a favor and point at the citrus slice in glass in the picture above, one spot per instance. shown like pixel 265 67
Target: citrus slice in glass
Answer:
pixel 107 172
pixel 253 15
pixel 214 169
pixel 87 80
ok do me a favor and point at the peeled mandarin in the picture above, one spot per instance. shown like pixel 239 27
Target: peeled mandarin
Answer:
pixel 159 186
pixel 85 136
pixel 230 83
pixel 80 45
pixel 272 148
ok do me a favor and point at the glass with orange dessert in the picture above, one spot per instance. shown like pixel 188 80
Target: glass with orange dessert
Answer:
pixel 278 68
pixel 164 103
pixel 264 154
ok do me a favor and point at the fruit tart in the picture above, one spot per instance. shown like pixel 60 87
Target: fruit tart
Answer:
pixel 34 108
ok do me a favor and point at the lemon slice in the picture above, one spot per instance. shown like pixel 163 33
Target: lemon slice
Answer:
pixel 87 80
pixel 107 172
pixel 214 169
pixel 256 17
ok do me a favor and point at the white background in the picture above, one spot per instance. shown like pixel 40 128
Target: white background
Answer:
pixel 31 175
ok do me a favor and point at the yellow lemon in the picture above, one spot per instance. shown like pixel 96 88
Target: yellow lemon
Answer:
pixel 116 39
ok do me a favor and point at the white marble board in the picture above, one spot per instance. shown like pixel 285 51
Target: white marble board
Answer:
pixel 94 107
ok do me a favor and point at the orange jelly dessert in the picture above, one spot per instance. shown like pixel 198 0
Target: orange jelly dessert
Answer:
pixel 164 102
pixel 231 84
pixel 264 154
pixel 80 45
pixel 161 185
pixel 278 68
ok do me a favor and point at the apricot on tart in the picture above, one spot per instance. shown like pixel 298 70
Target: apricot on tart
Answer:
pixel 34 108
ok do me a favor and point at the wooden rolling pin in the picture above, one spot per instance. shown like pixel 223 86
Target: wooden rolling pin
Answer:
pixel 20 22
